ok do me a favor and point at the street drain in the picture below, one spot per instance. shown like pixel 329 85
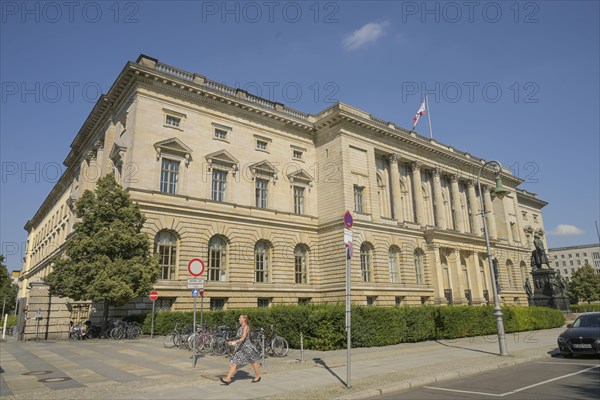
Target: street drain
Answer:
pixel 57 379
pixel 38 372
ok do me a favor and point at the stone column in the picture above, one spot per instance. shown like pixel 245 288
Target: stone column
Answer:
pixel 418 192
pixel 458 218
pixel 396 196
pixel 440 211
pixel 489 207
pixel 474 203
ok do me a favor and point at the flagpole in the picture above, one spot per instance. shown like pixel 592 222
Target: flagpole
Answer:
pixel 428 116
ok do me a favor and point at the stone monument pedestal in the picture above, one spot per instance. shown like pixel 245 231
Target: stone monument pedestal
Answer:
pixel 548 291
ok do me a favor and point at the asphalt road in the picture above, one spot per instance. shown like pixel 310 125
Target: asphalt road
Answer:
pixel 554 378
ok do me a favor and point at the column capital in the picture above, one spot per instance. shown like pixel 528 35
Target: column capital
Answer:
pixel 454 178
pixel 393 158
pixel 436 171
pixel 470 183
pixel 415 166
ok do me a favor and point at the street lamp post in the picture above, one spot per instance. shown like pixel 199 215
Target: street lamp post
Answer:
pixel 499 192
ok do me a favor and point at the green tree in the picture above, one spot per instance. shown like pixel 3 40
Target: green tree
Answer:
pixel 584 284
pixel 108 257
pixel 8 290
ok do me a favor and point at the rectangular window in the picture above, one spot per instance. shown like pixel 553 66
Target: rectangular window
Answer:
pixel 264 302
pixel 300 268
pixel 399 300
pixel 297 154
pixel 172 121
pixel 578 262
pixel 261 192
pixel 220 134
pixel 535 218
pixel 570 262
pixel 358 198
pixel 304 300
pixel 572 270
pixel 564 263
pixel 167 256
pixel 556 264
pixel 169 174
pixel 570 255
pixel 217 303
pixel 219 180
pixel 371 300
pixel 262 145
pixel 562 256
pixel 566 271
pixel 524 215
pixel 298 200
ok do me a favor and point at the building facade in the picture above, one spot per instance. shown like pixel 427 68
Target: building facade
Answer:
pixel 567 260
pixel 258 191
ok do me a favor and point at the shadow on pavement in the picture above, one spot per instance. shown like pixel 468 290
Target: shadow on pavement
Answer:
pixel 324 364
pixel 466 348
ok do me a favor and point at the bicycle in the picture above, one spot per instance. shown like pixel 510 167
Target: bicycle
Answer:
pixel 274 343
pixel 173 339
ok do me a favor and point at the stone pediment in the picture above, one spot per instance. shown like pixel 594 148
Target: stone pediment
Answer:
pixel 173 146
pixel 300 176
pixel 264 168
pixel 221 157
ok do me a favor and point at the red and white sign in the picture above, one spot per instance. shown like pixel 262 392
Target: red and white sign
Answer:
pixel 153 295
pixel 196 267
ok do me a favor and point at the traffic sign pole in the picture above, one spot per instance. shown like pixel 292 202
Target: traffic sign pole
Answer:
pixel 194 336
pixel 348 222
pixel 153 297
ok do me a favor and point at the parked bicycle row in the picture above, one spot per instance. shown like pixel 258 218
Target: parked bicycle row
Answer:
pixel 216 341
pixel 118 331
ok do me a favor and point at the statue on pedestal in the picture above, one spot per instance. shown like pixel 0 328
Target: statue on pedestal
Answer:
pixel 538 256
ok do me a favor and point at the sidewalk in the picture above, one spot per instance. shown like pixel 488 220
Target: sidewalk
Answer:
pixel 146 370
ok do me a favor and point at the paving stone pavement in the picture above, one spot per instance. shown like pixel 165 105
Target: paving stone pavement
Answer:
pixel 146 370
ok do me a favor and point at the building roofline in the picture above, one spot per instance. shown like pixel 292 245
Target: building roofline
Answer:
pixel 581 246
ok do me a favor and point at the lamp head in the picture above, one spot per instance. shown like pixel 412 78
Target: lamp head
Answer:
pixel 500 190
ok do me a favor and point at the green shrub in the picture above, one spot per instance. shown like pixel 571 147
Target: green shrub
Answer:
pixel 581 308
pixel 323 325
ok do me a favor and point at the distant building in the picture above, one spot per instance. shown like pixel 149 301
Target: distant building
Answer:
pixel 258 190
pixel 567 260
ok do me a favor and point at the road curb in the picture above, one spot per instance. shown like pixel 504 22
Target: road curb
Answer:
pixel 413 383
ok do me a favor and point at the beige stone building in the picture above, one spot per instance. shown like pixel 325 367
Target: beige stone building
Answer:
pixel 258 191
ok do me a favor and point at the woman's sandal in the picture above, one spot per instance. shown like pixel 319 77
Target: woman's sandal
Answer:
pixel 224 382
pixel 256 380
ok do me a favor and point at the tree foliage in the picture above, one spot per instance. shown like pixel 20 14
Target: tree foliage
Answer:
pixel 584 285
pixel 8 290
pixel 108 257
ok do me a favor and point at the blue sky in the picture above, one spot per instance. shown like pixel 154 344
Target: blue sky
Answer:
pixel 512 81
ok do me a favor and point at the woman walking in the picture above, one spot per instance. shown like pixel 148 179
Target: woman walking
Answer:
pixel 245 352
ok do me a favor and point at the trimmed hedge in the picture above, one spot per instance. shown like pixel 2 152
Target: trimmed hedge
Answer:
pixel 323 326
pixel 581 308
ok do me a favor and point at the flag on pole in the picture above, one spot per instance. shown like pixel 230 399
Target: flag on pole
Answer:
pixel 418 114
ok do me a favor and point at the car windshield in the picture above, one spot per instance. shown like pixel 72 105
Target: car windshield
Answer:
pixel 587 321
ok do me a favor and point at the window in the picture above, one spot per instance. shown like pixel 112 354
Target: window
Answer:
pixel 535 218
pixel 261 192
pixel 264 302
pixel 163 304
pixel 399 300
pixel 564 263
pixel 578 262
pixel 570 255
pixel 169 173
pixel 418 256
pixel 585 254
pixel 300 264
pixel 170 120
pixel 572 270
pixel 371 300
pixel 261 262
pixel 358 198
pixel 576 254
pixel 570 262
pixel 524 213
pixel 165 245
pixel 393 265
pixel 365 262
pixel 566 271
pixel 298 200
pixel 220 134
pixel 562 256
pixel 262 145
pixel 556 264
pixel 217 259
pixel 297 154
pixel 509 277
pixel 217 303
pixel 219 181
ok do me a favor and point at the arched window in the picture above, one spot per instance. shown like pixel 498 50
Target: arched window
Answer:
pixel 523 267
pixel 482 273
pixel 465 271
pixel 419 256
pixel 301 264
pixel 366 262
pixel 262 258
pixel 165 245
pixel 393 265
pixel 217 259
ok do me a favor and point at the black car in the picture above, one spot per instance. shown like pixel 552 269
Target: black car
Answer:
pixel 582 336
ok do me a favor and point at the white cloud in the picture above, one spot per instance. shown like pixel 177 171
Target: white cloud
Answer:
pixel 365 35
pixel 567 230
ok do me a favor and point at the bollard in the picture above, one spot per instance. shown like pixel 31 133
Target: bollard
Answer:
pixel 301 347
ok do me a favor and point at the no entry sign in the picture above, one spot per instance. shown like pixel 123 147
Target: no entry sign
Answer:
pixel 196 267
pixel 153 295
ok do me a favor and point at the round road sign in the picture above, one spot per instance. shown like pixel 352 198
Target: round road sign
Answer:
pixel 348 220
pixel 153 295
pixel 196 267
